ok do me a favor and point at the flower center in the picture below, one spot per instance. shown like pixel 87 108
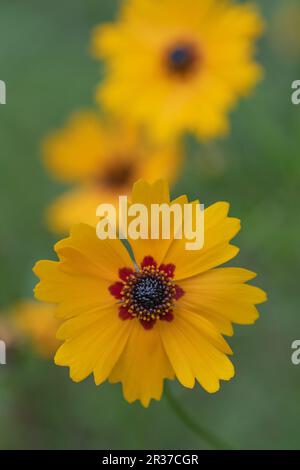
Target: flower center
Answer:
pixel 116 176
pixel 149 294
pixel 182 59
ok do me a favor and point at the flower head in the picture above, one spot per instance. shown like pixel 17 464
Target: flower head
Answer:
pixel 37 323
pixel 159 317
pixel 7 331
pixel 102 160
pixel 177 66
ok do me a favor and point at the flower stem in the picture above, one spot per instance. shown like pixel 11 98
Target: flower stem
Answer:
pixel 188 421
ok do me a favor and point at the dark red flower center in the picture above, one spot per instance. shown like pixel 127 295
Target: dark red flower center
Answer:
pixel 116 175
pixel 119 175
pixel 148 294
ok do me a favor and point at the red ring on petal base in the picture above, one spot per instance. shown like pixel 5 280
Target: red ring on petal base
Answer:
pixel 148 294
pixel 116 289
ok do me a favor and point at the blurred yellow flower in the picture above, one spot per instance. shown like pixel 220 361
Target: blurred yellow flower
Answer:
pixel 103 159
pixel 177 66
pixel 7 332
pixel 36 322
pixel 160 317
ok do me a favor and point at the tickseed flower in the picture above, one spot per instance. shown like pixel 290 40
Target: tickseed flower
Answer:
pixel 102 160
pixel 177 66
pixel 159 317
pixel 7 332
pixel 35 322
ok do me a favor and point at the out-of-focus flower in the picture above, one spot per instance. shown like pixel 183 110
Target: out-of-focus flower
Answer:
pixel 104 160
pixel 177 66
pixel 160 317
pixel 7 331
pixel 36 322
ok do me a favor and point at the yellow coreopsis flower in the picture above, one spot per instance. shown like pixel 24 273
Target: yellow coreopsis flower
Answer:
pixel 160 317
pixel 177 66
pixel 102 159
pixel 36 322
pixel 7 332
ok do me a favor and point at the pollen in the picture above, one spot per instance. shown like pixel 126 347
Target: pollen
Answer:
pixel 149 294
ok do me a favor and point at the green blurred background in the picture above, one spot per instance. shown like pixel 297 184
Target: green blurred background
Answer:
pixel 45 62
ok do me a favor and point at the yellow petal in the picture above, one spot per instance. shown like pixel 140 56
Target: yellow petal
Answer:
pixel 74 207
pixel 74 293
pixel 218 231
pixel 77 151
pixel 96 345
pixel 192 355
pixel 36 321
pixel 222 293
pixel 143 366
pixel 147 194
pixel 108 256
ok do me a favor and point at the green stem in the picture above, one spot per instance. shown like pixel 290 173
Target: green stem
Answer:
pixel 206 436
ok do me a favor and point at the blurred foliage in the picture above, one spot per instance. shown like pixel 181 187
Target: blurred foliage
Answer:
pixel 45 63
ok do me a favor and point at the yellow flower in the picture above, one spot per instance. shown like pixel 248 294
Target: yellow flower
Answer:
pixel 36 322
pixel 103 160
pixel 7 332
pixel 160 317
pixel 177 66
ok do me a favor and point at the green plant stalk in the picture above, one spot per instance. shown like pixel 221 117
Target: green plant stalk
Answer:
pixel 213 441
